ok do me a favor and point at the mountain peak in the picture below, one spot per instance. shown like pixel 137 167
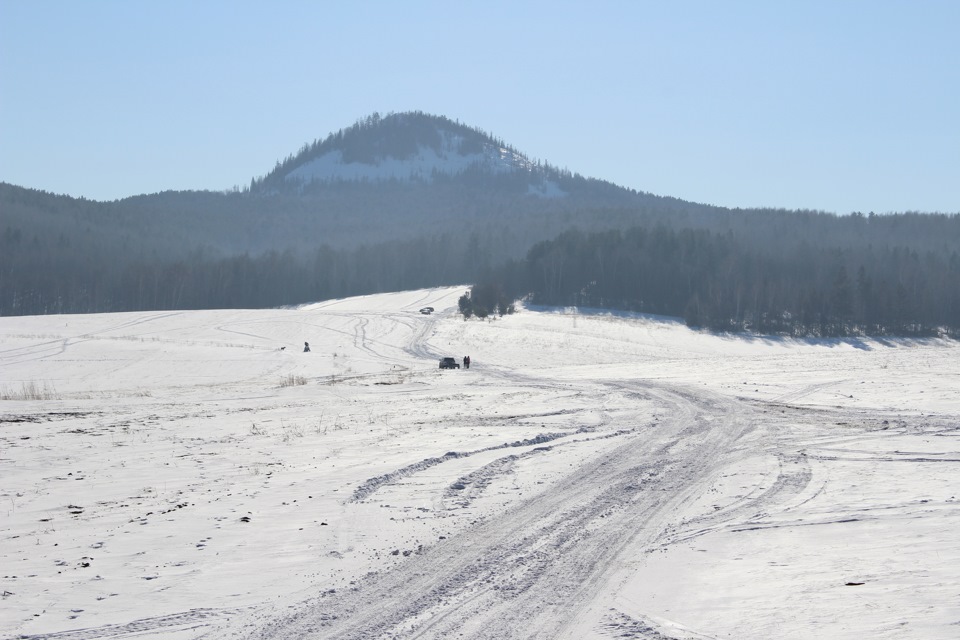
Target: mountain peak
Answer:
pixel 410 147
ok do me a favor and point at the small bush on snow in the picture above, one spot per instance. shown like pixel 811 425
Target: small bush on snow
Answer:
pixel 31 391
pixel 293 381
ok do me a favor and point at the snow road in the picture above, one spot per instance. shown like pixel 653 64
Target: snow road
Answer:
pixel 592 475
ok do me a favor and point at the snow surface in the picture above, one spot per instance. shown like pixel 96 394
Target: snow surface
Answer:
pixel 592 475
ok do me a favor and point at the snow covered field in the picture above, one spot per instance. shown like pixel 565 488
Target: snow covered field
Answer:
pixel 179 475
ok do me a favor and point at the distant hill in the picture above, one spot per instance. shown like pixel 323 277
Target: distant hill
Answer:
pixel 383 178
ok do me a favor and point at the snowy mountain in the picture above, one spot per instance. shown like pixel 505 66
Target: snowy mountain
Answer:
pixel 409 148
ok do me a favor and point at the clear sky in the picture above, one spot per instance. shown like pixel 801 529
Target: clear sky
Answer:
pixel 835 105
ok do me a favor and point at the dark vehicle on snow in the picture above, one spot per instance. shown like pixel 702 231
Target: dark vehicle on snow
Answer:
pixel 426 311
pixel 449 363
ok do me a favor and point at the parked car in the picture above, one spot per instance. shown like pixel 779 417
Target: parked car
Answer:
pixel 449 363
pixel 426 311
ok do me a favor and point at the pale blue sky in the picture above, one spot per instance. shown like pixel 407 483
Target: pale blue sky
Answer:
pixel 831 105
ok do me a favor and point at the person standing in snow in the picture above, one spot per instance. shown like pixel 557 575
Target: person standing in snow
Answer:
pixel 306 347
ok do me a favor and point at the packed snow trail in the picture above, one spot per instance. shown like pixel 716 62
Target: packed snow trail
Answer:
pixel 527 572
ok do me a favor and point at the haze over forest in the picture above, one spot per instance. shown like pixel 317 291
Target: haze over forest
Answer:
pixel 412 200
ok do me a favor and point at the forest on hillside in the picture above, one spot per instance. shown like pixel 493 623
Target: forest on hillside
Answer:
pixel 238 249
pixel 767 271
pixel 782 285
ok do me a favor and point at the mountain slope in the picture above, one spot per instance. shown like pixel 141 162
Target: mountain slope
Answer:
pixel 416 148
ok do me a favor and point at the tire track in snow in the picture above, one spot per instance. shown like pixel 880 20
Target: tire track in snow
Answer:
pixel 793 477
pixel 369 487
pixel 530 571
pixel 793 396
pixel 169 624
pixel 52 348
pixel 465 489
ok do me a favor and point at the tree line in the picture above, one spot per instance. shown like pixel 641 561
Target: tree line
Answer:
pixel 66 281
pixel 718 281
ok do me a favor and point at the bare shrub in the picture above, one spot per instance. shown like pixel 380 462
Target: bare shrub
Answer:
pixel 293 381
pixel 292 431
pixel 31 391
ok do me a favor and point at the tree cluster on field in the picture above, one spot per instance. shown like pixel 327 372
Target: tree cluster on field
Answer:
pixel 485 300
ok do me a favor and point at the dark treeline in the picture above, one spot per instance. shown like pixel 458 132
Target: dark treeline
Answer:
pixel 69 282
pixel 784 285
